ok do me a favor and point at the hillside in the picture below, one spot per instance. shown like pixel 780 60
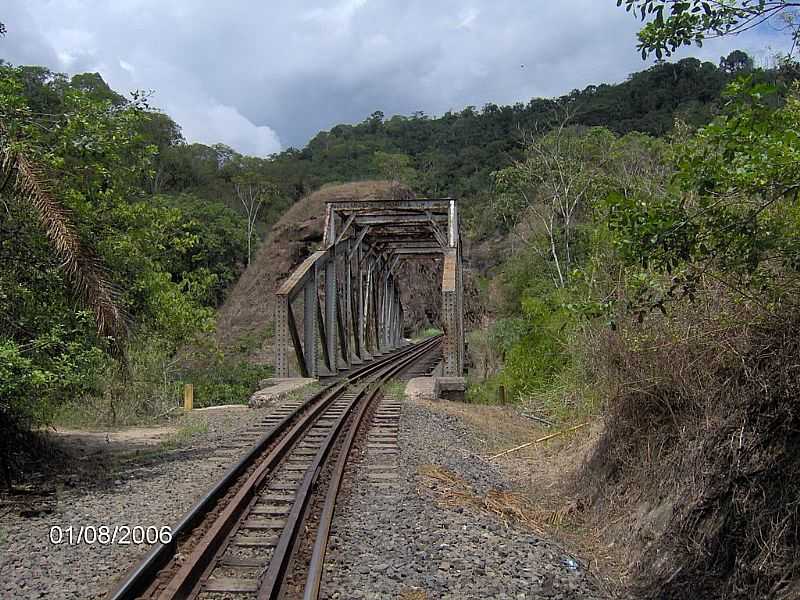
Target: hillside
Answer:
pixel 454 154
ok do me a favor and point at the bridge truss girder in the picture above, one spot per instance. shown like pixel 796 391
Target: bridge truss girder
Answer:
pixel 349 292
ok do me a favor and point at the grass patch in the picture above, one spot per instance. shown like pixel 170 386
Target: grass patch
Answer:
pixel 226 381
pixel 413 595
pixel 484 391
pixel 559 393
pixel 183 436
pixel 395 389
pixel 303 393
pixel 452 491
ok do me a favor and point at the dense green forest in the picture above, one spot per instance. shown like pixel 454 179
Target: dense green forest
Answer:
pixel 164 226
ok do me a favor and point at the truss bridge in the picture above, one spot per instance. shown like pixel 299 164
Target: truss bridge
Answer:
pixel 342 306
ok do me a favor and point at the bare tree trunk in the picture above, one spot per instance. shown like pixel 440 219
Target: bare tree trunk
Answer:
pixel 251 197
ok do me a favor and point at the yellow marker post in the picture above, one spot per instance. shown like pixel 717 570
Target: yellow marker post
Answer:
pixel 188 397
pixel 501 395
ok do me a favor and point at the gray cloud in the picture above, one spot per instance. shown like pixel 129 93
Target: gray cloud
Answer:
pixel 264 75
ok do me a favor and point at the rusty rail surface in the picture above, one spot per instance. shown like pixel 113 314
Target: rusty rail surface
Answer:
pixel 162 574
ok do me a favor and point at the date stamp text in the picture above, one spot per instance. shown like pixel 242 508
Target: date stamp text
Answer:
pixel 108 535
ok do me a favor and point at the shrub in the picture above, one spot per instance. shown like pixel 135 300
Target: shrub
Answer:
pixel 226 381
pixel 701 430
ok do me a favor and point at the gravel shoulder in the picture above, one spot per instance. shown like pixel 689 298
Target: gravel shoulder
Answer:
pixel 122 479
pixel 449 525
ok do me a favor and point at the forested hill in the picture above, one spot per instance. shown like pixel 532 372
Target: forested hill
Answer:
pixel 172 223
pixel 454 154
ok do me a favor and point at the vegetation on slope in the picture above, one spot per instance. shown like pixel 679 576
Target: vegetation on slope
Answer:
pixel 657 284
pixel 96 268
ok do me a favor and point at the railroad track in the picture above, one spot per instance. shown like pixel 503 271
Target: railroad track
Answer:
pixel 262 531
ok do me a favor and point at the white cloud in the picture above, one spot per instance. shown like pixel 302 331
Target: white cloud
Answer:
pixel 219 123
pixel 339 14
pixel 467 18
pixel 255 71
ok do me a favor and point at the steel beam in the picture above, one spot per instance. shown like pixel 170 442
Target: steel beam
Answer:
pixel 330 312
pixel 420 205
pixel 358 240
pixel 345 228
pixel 323 336
pixel 298 348
pixel 348 302
pixel 362 282
pixel 398 250
pixel 309 325
pixel 368 219
pixel 282 336
pixel 449 315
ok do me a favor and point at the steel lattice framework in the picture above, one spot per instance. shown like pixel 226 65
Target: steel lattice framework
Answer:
pixel 349 290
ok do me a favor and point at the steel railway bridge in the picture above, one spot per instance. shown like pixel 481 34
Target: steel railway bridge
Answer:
pixel 342 306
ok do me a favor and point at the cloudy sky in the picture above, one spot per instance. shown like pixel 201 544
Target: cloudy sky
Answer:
pixel 262 75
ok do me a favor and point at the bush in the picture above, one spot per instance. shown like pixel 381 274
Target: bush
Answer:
pixel 701 442
pixel 226 381
pixel 152 387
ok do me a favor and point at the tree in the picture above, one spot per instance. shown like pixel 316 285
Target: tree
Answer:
pixel 84 251
pixel 2 30
pixel 96 88
pixel 161 131
pixel 253 191
pixel 736 62
pixel 396 167
pixel 559 178
pixel 675 23
pixel 30 183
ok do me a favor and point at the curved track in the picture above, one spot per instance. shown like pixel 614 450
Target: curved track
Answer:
pixel 240 539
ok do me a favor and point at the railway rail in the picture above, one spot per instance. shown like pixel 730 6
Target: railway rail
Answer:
pixel 262 531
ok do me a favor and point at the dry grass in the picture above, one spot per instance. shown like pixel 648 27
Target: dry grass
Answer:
pixel 565 523
pixel 413 595
pixel 510 508
pixel 697 470
pixel 543 499
pixel 497 427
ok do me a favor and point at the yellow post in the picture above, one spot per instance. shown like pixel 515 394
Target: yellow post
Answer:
pixel 188 396
pixel 501 394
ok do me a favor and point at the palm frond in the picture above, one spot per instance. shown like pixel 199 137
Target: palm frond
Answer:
pixel 81 265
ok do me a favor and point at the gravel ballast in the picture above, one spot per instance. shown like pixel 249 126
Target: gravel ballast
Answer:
pixel 151 490
pixel 399 540
pixel 393 536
